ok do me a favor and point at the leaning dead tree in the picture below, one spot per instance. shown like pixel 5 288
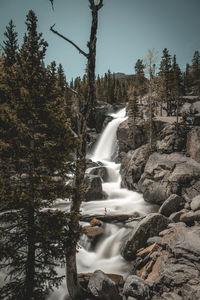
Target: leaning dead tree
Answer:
pixel 74 288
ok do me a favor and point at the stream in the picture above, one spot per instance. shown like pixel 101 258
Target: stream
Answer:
pixel 106 255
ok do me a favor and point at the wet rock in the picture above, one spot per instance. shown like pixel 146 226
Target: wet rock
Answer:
pixel 102 287
pixel 190 217
pixel 132 166
pixel 195 204
pixel 98 115
pixel 93 188
pixel 93 232
pixel 167 174
pixel 173 204
pixel 95 222
pixel 150 226
pixel 91 164
pixel 92 138
pixel 136 287
pixel 100 171
pixel 193 143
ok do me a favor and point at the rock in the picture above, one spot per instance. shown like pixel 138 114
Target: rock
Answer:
pixel 167 174
pixel 92 137
pixel 193 143
pixel 102 287
pixel 171 141
pixel 95 222
pixel 132 166
pixel 154 239
pixel 136 287
pixel 195 204
pixel 173 204
pixel 93 188
pixel 93 232
pixel 98 115
pixel 190 217
pixel 123 137
pixel 173 271
pixel 175 217
pixel 151 248
pixel 100 171
pixel 171 296
pixel 150 226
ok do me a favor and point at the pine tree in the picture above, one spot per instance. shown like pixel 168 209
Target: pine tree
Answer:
pixel 140 77
pixel 10 44
pixel 187 79
pixel 195 72
pixel 165 79
pixel 133 113
pixel 61 77
pixel 36 144
pixel 177 87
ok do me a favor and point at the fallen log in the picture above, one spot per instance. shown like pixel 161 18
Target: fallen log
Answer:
pixel 120 218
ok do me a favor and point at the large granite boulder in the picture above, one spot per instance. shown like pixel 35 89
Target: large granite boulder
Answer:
pixel 132 166
pixel 173 271
pixel 193 143
pixel 102 287
pixel 173 204
pixel 136 287
pixel 195 204
pixel 150 226
pixel 93 188
pixel 125 144
pixel 167 174
pixel 171 140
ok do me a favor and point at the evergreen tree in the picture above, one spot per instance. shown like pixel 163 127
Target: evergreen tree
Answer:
pixel 133 114
pixel 195 72
pixel 10 44
pixel 165 79
pixel 140 77
pixel 177 87
pixel 61 77
pixel 35 143
pixel 187 79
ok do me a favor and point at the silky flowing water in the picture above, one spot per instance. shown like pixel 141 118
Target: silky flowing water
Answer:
pixel 106 255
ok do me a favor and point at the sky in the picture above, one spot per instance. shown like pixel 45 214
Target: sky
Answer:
pixel 127 29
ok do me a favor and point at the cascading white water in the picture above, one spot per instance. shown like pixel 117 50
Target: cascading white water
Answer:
pixel 106 144
pixel 106 255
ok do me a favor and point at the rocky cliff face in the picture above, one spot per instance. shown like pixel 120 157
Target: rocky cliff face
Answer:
pixel 164 247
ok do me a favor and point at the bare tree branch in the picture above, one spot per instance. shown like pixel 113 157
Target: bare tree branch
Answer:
pixel 69 41
pixel 52 4
pixel 93 6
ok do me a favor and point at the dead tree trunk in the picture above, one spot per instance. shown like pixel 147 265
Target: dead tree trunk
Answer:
pixel 74 288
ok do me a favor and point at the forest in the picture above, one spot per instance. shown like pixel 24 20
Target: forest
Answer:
pixel 47 127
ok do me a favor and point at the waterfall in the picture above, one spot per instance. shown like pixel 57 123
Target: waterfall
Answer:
pixel 106 255
pixel 106 144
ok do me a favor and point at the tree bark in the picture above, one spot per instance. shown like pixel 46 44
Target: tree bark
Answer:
pixel 30 264
pixel 74 288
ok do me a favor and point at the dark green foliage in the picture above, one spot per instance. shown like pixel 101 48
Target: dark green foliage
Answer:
pixel 195 72
pixel 10 44
pixel 166 80
pixel 36 145
pixel 133 113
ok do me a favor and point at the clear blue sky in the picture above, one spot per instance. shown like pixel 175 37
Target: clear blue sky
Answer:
pixel 127 28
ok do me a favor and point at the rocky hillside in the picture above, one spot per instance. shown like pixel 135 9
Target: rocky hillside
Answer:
pixel 164 247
